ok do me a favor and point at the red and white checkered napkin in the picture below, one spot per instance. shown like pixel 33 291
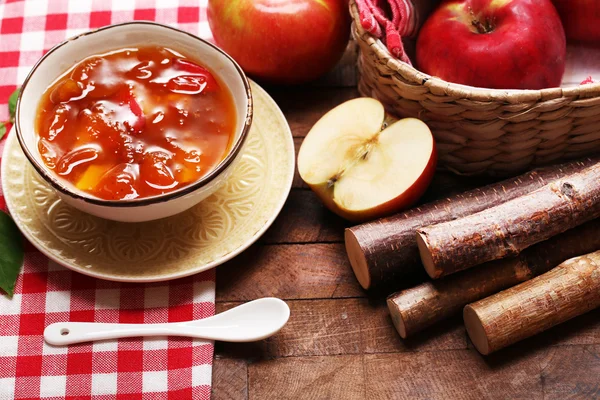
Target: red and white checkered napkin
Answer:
pixel 151 368
pixel 136 368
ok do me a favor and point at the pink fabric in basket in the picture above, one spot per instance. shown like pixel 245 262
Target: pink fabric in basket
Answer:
pixel 375 21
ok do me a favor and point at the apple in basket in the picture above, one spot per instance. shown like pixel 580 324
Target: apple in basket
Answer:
pixel 499 44
pixel 289 41
pixel 581 19
pixel 360 167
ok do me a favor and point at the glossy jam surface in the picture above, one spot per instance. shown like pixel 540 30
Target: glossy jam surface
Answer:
pixel 135 123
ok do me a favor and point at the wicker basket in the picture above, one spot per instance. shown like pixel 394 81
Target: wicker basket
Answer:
pixel 482 131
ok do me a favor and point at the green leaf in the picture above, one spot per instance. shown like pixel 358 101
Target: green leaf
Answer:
pixel 11 253
pixel 12 104
pixel 2 129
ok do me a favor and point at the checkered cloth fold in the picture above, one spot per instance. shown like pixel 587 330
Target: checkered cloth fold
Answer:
pixel 153 368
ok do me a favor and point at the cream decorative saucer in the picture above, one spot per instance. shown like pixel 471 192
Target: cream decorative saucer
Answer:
pixel 201 238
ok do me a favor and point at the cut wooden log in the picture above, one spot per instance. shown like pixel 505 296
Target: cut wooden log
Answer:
pixel 385 250
pixel 569 290
pixel 417 308
pixel 509 228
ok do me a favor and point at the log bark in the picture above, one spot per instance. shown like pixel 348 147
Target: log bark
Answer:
pixel 509 228
pixel 417 308
pixel 569 290
pixel 385 251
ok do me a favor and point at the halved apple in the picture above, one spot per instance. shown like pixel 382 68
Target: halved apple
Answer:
pixel 362 169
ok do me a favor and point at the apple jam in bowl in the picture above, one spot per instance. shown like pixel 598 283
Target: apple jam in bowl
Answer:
pixel 134 122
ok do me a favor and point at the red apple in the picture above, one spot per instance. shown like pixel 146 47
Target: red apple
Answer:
pixel 581 19
pixel 281 41
pixel 362 169
pixel 499 44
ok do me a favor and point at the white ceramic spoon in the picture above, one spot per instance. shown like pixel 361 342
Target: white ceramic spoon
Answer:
pixel 248 322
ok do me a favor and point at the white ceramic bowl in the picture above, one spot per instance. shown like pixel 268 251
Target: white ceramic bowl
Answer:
pixel 63 56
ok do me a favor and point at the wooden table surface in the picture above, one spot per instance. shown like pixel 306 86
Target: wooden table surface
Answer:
pixel 340 342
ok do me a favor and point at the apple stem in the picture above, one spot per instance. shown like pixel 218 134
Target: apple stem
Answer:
pixel 480 26
pixel 333 180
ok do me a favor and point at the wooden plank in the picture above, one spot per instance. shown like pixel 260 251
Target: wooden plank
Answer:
pixel 584 329
pixel 453 374
pixel 230 379
pixel 307 378
pixel 308 271
pixel 380 336
pixel 572 372
pixel 446 183
pixel 304 219
pixel 357 326
pixel 315 328
pixel 320 327
pixel 303 106
pixel 298 183
pixel 338 327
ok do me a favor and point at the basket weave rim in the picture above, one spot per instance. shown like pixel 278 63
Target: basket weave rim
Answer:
pixel 466 92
